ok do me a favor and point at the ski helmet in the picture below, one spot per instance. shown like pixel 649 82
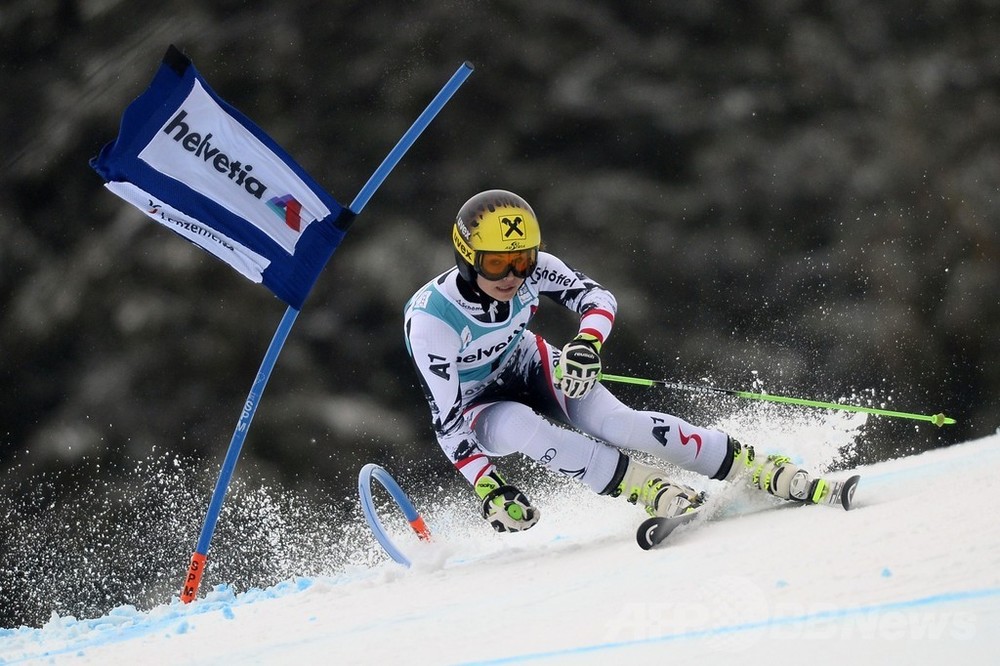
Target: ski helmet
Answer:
pixel 496 233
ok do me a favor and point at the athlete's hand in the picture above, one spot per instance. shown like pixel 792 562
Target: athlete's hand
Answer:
pixel 579 366
pixel 505 507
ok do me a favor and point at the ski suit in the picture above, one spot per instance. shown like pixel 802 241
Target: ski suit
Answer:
pixel 491 384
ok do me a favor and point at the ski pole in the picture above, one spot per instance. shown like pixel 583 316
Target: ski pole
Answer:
pixel 937 419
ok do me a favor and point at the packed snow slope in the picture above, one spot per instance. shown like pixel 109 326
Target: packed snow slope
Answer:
pixel 912 575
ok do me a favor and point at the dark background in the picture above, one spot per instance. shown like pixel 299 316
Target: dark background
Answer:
pixel 798 194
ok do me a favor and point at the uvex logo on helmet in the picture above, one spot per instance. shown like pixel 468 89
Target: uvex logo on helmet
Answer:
pixel 461 246
pixel 201 146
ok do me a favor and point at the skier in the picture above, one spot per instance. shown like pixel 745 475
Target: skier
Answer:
pixel 496 388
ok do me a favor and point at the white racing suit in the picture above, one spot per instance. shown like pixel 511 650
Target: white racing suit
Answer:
pixel 492 390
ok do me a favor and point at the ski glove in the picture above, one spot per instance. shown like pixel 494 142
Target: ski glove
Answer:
pixel 579 366
pixel 505 507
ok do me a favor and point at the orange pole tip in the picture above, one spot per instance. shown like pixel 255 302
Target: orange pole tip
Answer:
pixel 195 571
pixel 420 528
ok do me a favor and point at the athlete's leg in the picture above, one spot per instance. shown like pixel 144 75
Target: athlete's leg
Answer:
pixel 709 452
pixel 508 427
pixel 668 437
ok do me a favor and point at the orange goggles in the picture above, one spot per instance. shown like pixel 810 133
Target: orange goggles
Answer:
pixel 497 265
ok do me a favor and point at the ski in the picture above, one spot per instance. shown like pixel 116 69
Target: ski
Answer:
pixel 654 530
pixel 832 493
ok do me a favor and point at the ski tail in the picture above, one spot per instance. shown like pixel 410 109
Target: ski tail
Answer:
pixel 834 493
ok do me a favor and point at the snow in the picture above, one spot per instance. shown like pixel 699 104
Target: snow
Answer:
pixel 912 575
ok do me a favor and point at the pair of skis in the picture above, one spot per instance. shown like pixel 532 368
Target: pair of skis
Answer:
pixel 653 531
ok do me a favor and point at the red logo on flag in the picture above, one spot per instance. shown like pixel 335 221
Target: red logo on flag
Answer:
pixel 288 209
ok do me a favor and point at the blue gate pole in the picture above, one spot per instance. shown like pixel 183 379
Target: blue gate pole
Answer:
pixel 196 568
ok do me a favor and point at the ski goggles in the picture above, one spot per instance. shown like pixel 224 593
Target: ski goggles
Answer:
pixel 497 265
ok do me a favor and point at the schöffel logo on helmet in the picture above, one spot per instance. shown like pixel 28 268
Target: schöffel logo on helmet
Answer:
pixel 201 146
pixel 510 227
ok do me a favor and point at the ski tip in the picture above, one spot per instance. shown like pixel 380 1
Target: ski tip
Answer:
pixel 653 531
pixel 644 536
pixel 847 492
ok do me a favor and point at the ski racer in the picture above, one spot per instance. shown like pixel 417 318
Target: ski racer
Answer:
pixel 495 388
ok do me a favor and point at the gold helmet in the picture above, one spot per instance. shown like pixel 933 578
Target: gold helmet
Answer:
pixel 496 233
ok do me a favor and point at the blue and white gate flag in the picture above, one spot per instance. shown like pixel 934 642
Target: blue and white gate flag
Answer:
pixel 204 170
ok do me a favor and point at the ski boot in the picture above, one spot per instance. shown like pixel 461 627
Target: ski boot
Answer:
pixel 661 498
pixel 776 475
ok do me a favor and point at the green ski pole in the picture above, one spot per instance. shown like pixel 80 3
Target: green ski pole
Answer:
pixel 937 419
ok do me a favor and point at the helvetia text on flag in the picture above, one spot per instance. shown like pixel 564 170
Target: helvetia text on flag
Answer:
pixel 204 170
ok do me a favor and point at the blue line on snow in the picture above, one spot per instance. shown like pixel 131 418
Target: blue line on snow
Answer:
pixel 840 613
pixel 931 466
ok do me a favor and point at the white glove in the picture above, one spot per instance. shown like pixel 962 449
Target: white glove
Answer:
pixel 579 366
